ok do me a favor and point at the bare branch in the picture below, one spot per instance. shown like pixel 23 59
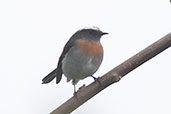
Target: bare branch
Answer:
pixel 87 92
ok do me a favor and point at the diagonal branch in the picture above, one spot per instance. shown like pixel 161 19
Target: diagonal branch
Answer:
pixel 87 92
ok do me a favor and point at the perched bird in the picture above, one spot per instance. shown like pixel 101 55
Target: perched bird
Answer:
pixel 81 57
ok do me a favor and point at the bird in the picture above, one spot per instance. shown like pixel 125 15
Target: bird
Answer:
pixel 81 57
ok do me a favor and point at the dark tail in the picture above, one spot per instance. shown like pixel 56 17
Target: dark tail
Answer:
pixel 55 73
pixel 49 77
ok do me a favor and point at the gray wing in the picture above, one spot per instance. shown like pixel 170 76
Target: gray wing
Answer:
pixel 58 71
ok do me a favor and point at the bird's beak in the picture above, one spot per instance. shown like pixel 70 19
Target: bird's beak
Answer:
pixel 104 33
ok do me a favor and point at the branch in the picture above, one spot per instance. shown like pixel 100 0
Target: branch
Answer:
pixel 86 92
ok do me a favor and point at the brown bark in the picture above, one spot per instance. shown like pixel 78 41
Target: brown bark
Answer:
pixel 87 92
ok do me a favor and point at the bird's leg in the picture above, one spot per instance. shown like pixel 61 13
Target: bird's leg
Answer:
pixel 96 79
pixel 75 92
pixel 74 89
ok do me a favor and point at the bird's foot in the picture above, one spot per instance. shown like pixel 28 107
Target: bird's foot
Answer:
pixel 96 80
pixel 75 92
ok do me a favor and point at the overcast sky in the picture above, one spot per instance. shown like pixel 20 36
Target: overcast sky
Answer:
pixel 32 36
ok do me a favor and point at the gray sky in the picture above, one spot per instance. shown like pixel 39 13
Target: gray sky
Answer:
pixel 32 36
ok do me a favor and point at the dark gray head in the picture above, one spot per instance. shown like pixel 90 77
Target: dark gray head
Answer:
pixel 90 34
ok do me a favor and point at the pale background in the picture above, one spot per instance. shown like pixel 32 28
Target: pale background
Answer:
pixel 32 36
